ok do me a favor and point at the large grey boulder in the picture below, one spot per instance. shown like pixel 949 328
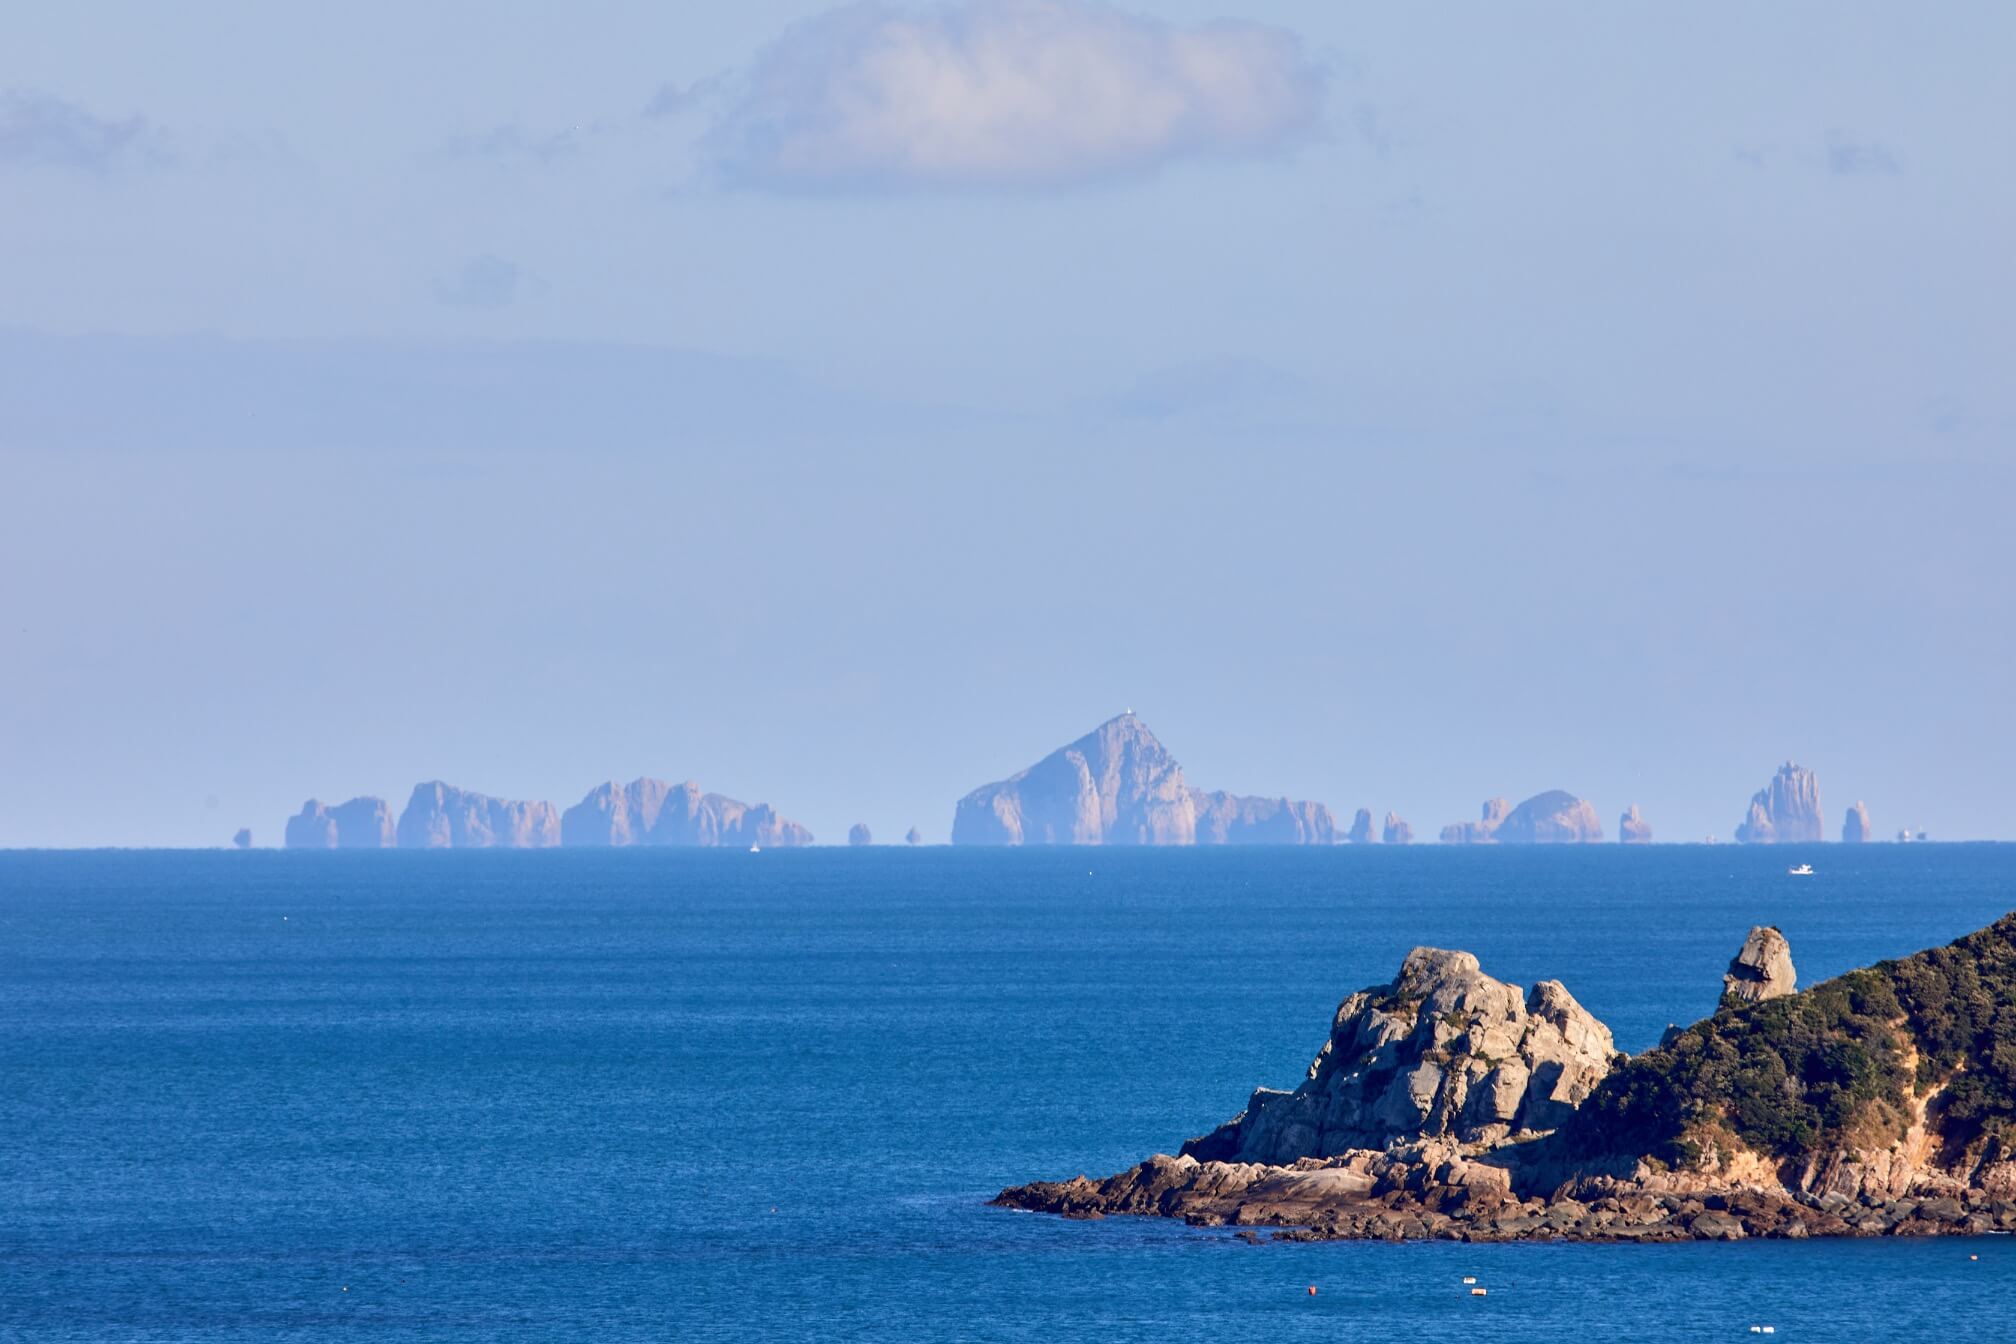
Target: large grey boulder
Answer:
pixel 1762 970
pixel 1444 1051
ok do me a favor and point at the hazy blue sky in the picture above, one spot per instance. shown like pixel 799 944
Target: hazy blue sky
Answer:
pixel 843 407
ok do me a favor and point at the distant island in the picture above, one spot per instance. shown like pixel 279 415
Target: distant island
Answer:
pixel 1449 1105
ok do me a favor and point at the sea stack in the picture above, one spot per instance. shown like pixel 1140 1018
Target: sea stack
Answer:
pixel 859 836
pixel 441 816
pixel 1396 830
pixel 1118 785
pixel 1855 827
pixel 242 840
pixel 1362 831
pixel 1785 811
pixel 1481 831
pixel 915 837
pixel 1633 829
pixel 1761 970
pixel 361 823
pixel 652 812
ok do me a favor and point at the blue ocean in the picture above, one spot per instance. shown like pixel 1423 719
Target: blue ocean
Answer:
pixel 638 1095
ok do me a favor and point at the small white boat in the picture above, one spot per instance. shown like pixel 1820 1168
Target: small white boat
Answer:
pixel 758 849
pixel 1803 870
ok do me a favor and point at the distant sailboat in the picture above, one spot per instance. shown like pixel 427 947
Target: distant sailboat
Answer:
pixel 1803 870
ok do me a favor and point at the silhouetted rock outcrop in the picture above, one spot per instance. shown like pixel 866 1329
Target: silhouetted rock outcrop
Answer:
pixel 1551 818
pixel 1855 827
pixel 1118 785
pixel 361 823
pixel 1481 831
pixel 1229 819
pixel 1762 969
pixel 242 840
pixel 1785 811
pixel 1362 830
pixel 1633 829
pixel 915 837
pixel 1396 831
pixel 441 816
pixel 653 812
pixel 858 835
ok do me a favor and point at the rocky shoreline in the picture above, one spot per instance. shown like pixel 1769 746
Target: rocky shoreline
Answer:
pixel 1450 1106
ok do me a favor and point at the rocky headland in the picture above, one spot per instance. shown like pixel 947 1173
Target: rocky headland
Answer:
pixel 1118 785
pixel 361 823
pixel 1552 818
pixel 441 816
pixel 1785 811
pixel 1446 1104
pixel 654 812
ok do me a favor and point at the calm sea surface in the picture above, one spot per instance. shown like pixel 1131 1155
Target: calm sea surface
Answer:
pixel 722 1096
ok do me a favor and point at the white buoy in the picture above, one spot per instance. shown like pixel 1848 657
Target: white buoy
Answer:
pixel 1469 1279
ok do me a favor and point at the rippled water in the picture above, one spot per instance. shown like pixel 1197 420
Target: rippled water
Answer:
pixel 644 1096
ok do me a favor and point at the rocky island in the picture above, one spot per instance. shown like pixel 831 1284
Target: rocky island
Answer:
pixel 361 823
pixel 1785 811
pixel 1552 818
pixel 441 816
pixel 1118 785
pixel 1446 1104
pixel 652 812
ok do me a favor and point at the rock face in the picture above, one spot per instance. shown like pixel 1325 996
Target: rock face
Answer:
pixel 1483 830
pixel 859 836
pixel 1762 970
pixel 1442 1051
pixel 1785 811
pixel 1397 832
pixel 1551 818
pixel 1633 829
pixel 441 816
pixel 1228 819
pixel 242 840
pixel 361 823
pixel 1870 1105
pixel 1118 785
pixel 652 812
pixel 1362 830
pixel 1855 827
pixel 915 837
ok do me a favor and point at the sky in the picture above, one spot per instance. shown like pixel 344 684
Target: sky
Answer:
pixel 845 406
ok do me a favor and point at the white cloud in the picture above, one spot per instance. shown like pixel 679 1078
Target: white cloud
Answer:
pixel 1005 93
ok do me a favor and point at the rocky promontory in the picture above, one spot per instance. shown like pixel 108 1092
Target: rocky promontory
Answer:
pixel 1118 785
pixel 361 823
pixel 653 812
pixel 1449 1105
pixel 1552 818
pixel 1785 811
pixel 441 816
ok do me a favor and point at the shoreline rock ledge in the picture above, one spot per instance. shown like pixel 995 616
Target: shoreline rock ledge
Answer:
pixel 1449 1105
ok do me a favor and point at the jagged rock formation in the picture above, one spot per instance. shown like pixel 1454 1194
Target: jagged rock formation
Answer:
pixel 1855 827
pixel 1442 1051
pixel 1762 969
pixel 361 823
pixel 1118 785
pixel 652 812
pixel 1228 819
pixel 915 837
pixel 1481 831
pixel 1878 1103
pixel 1633 829
pixel 1397 831
pixel 441 816
pixel 1551 818
pixel 242 840
pixel 1362 832
pixel 1785 811
pixel 859 836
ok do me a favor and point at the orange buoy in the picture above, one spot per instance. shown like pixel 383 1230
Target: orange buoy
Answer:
pixel 1312 1290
